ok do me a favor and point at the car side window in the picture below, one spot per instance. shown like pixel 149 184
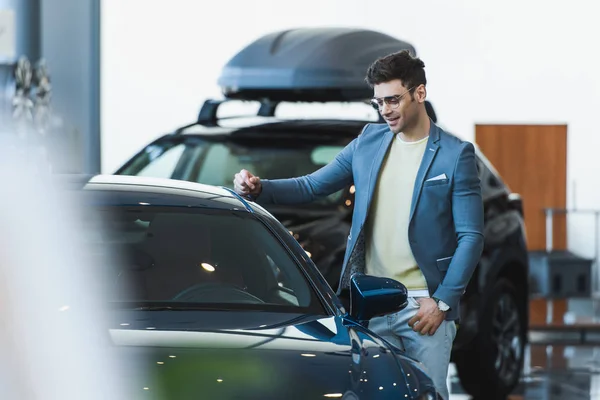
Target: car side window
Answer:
pixel 159 160
pixel 221 161
pixel 218 166
pixel 163 165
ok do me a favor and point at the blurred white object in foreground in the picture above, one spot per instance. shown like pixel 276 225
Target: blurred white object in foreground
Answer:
pixel 54 339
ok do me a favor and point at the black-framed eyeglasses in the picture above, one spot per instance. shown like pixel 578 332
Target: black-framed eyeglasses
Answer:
pixel 391 101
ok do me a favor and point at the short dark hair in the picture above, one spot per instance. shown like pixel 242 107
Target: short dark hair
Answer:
pixel 400 65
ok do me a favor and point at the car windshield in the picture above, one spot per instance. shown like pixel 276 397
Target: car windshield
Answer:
pixel 215 162
pixel 195 258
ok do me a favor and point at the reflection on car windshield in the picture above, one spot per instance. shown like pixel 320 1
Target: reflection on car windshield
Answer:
pixel 215 163
pixel 196 257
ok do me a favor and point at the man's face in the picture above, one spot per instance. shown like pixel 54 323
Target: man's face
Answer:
pixel 396 105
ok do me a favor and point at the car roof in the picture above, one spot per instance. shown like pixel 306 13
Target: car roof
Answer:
pixel 140 190
pixel 241 126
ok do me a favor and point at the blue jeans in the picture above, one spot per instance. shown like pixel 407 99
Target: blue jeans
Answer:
pixel 432 351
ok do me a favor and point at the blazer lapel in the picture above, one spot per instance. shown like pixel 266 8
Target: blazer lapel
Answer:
pixel 428 156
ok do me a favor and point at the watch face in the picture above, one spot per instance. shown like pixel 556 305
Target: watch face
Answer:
pixel 442 306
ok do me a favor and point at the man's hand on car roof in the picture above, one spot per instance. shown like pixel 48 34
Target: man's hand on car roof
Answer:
pixel 246 184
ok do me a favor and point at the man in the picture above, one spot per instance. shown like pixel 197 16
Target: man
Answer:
pixel 418 212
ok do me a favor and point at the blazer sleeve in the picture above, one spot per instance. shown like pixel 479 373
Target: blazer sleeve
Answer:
pixel 327 180
pixel 467 211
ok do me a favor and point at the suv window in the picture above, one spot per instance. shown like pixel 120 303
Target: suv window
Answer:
pixel 216 162
pixel 163 165
pixel 271 163
pixel 200 257
pixel 156 160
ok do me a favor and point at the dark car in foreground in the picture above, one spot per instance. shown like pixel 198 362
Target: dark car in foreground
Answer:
pixel 215 299
pixel 287 69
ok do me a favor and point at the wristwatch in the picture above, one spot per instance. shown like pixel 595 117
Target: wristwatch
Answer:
pixel 441 305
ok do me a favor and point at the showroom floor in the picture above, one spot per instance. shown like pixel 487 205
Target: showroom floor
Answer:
pixel 553 373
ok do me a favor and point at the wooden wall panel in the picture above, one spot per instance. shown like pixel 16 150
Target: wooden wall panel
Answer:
pixel 532 160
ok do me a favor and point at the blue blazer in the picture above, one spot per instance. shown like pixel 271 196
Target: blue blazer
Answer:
pixel 446 216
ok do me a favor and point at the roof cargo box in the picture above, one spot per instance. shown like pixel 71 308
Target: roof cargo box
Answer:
pixel 307 64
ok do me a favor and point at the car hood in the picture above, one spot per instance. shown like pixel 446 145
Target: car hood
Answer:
pixel 270 356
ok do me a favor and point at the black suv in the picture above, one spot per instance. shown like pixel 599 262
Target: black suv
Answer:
pixel 489 347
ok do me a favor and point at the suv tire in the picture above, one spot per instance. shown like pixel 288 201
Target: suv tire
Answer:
pixel 493 362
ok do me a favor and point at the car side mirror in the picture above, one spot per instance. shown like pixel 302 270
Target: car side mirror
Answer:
pixel 372 296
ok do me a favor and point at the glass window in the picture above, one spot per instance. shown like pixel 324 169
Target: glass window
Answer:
pixel 163 164
pixel 159 160
pixel 196 258
pixel 216 162
pixel 222 161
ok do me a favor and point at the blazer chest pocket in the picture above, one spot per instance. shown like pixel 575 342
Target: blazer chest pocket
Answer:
pixel 436 182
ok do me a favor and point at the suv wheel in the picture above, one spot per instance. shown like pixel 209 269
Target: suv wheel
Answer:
pixel 494 362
